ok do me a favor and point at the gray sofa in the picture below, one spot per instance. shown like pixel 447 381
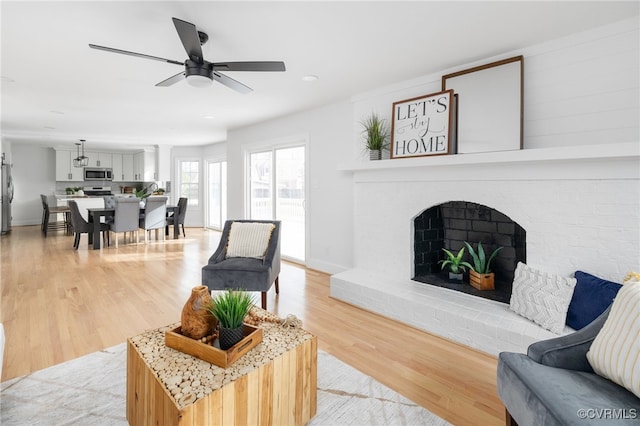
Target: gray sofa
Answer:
pixel 553 384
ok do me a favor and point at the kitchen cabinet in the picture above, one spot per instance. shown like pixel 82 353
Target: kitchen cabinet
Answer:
pixel 105 159
pixel 116 165
pixel 99 159
pixel 127 167
pixel 144 166
pixel 122 165
pixel 65 171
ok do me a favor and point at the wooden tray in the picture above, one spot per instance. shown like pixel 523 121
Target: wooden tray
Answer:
pixel 176 340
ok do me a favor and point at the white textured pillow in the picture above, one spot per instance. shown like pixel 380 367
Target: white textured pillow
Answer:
pixel 541 297
pixel 249 239
pixel 615 352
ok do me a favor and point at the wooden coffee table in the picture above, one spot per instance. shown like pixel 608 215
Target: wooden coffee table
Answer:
pixel 273 384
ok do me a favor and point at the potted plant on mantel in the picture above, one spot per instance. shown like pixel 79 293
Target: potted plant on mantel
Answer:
pixel 376 134
pixel 455 264
pixel 230 308
pixel 480 275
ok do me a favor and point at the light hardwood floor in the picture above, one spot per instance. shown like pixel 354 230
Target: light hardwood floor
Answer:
pixel 59 304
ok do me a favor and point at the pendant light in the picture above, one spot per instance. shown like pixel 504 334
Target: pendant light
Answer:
pixel 80 160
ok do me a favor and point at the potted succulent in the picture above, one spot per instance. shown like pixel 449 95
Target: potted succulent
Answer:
pixel 455 264
pixel 480 275
pixel 376 135
pixel 230 308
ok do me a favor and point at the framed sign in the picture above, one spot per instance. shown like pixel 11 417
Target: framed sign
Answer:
pixel 489 107
pixel 422 126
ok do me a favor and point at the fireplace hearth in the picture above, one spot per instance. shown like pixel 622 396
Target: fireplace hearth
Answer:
pixel 449 225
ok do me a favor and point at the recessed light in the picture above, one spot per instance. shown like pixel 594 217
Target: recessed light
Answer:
pixel 208 117
pixel 310 78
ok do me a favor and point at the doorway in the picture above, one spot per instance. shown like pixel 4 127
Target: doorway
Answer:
pixel 277 192
pixel 217 194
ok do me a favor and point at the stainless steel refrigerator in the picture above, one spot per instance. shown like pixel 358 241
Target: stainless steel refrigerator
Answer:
pixel 7 195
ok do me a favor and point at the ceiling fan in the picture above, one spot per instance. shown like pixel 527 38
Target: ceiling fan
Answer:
pixel 197 70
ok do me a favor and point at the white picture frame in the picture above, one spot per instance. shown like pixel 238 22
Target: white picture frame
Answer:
pixel 489 106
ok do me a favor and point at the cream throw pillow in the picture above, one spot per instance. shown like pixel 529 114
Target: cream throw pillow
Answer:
pixel 541 297
pixel 249 239
pixel 615 352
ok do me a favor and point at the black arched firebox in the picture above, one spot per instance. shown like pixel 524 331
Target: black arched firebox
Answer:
pixel 449 225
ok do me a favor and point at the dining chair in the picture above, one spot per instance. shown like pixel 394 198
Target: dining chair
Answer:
pixel 109 203
pixel 47 210
pixel 154 216
pixel 178 216
pixel 126 218
pixel 81 226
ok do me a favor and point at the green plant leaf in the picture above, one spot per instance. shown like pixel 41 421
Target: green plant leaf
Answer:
pixel 376 132
pixel 493 255
pixel 480 263
pixel 455 263
pixel 231 307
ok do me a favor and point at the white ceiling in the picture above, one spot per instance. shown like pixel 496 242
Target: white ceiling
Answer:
pixel 56 90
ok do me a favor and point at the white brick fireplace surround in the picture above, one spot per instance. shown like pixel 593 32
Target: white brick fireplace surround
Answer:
pixel 580 207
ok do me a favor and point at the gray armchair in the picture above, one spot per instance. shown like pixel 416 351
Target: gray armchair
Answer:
pixel 250 274
pixel 554 384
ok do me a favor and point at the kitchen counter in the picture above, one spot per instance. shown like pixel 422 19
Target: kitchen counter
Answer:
pixel 73 197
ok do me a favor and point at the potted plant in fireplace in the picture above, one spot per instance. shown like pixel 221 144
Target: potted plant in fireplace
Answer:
pixel 480 275
pixel 455 264
pixel 230 308
pixel 376 135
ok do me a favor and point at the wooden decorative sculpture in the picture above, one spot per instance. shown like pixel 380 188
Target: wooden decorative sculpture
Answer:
pixel 196 321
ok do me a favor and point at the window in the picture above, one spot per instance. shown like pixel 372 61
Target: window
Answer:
pixel 217 190
pixel 190 181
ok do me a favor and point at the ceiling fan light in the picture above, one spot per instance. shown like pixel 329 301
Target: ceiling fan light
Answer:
pixel 199 81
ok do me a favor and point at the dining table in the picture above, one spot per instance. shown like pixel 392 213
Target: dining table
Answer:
pixel 96 213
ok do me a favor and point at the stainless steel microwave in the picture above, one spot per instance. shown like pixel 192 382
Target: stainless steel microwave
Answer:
pixel 98 173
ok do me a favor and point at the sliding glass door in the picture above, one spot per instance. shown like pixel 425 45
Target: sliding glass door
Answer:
pixel 277 191
pixel 217 194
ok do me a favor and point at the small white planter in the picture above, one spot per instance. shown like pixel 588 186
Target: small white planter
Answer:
pixel 375 154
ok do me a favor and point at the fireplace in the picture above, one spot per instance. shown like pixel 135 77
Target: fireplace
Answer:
pixel 579 206
pixel 449 225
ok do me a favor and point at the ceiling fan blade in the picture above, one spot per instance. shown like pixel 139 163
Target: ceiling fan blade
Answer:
pixel 231 83
pixel 250 66
pixel 190 39
pixel 139 55
pixel 171 80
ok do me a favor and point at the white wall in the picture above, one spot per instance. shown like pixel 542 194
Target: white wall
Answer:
pixel 578 90
pixel 329 198
pixel 581 94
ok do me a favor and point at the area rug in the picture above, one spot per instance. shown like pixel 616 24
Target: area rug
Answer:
pixel 91 390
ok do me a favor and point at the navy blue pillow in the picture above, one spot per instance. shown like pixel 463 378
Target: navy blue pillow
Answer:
pixel 591 297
